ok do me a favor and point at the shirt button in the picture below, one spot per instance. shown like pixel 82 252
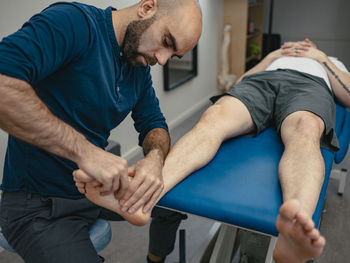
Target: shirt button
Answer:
pixel 121 53
pixel 118 89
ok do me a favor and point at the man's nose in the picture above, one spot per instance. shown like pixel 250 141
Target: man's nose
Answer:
pixel 163 56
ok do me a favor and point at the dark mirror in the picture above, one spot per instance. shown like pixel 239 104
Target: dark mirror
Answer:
pixel 178 71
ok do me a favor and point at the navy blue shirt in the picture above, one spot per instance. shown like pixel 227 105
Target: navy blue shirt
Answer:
pixel 70 56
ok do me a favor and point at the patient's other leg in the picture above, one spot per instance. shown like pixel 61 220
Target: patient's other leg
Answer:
pixel 301 173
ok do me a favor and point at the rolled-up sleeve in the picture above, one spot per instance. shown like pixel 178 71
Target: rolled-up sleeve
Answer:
pixel 48 41
pixel 147 114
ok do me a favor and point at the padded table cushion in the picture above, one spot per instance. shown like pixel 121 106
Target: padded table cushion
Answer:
pixel 343 132
pixel 240 185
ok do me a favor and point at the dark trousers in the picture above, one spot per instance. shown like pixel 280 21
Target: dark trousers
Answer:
pixel 50 229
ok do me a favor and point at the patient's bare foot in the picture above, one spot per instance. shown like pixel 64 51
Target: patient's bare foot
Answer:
pixel 109 202
pixel 298 240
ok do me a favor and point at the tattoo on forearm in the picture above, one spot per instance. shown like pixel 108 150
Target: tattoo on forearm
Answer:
pixel 337 78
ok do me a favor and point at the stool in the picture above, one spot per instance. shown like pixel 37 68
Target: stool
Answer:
pixel 100 235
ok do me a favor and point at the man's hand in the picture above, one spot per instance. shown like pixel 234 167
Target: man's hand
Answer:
pixel 81 185
pixel 106 168
pixel 146 185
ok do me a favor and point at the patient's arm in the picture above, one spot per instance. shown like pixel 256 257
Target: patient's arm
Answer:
pixel 340 81
pixel 263 64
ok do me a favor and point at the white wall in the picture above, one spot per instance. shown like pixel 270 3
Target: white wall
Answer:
pixel 176 104
pixel 324 21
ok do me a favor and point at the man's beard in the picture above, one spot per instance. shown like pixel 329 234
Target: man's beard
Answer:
pixel 132 37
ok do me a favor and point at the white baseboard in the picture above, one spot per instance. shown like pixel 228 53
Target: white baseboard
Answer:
pixel 136 151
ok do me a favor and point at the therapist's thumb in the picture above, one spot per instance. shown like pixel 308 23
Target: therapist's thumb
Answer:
pixel 82 177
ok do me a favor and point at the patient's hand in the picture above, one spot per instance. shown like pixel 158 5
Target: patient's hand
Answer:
pixel 294 49
pixel 304 48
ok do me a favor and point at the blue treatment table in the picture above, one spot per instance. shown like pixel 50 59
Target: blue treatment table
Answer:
pixel 240 186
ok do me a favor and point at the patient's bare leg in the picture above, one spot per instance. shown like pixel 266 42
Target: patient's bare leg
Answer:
pixel 228 117
pixel 301 173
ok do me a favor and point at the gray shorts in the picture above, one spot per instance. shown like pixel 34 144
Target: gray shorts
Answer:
pixel 271 96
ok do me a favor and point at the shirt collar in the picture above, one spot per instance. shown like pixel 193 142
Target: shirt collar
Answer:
pixel 111 34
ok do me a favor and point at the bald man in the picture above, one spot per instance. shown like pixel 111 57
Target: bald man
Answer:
pixel 69 76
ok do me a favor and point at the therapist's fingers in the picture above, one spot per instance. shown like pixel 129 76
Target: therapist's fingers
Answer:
pixel 132 186
pixel 80 176
pixel 152 202
pixel 124 184
pixel 134 183
pixel 141 202
pixel 138 198
pixel 115 185
pixel 95 184
pixel 81 187
pixel 147 201
pixel 129 198
pixel 123 189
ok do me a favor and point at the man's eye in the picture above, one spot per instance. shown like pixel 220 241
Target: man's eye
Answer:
pixel 165 43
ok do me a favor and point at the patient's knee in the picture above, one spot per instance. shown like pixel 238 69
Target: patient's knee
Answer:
pixel 214 119
pixel 225 109
pixel 309 126
pixel 211 115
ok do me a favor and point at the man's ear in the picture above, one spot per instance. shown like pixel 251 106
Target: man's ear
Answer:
pixel 147 8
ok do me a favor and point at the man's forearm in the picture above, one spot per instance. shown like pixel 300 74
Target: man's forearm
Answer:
pixel 157 144
pixel 25 116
